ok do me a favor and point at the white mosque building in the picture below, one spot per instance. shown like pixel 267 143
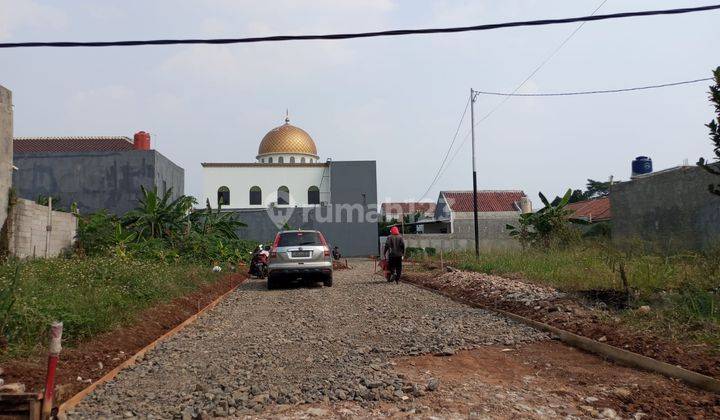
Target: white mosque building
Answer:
pixel 287 172
pixel 289 175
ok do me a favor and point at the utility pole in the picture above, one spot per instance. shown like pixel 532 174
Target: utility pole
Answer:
pixel 475 205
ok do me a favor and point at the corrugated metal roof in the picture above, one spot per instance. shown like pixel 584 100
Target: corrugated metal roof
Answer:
pixel 595 210
pixel 462 201
pixel 71 144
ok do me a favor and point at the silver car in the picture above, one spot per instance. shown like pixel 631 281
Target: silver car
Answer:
pixel 299 254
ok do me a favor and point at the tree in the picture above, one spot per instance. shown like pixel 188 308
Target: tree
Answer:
pixel 544 227
pixel 714 127
pixel 158 217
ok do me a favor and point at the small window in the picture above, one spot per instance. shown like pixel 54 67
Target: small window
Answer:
pixel 255 196
pixel 281 160
pixel 283 195
pixel 313 195
pixel 270 159
pixel 223 196
pixel 302 160
pixel 292 159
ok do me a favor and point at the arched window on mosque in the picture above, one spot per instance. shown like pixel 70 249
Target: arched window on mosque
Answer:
pixel 223 196
pixel 313 195
pixel 255 195
pixel 270 159
pixel 302 160
pixel 281 160
pixel 292 159
pixel 283 195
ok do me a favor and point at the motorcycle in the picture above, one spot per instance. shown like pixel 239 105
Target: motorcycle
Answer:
pixel 259 265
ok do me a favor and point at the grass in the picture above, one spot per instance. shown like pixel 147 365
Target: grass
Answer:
pixel 682 289
pixel 90 296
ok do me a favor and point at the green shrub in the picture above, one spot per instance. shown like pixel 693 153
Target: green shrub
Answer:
pixel 89 295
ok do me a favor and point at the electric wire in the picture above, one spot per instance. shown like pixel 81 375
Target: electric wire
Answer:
pixel 594 92
pixel 457 131
pixel 518 87
pixel 338 36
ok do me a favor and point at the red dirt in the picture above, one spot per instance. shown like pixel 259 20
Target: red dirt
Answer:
pixel 94 358
pixel 495 381
pixel 570 315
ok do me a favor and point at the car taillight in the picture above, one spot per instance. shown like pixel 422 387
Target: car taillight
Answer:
pixel 273 250
pixel 326 248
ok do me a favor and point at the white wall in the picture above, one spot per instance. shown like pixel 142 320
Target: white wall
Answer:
pixel 28 230
pixel 269 178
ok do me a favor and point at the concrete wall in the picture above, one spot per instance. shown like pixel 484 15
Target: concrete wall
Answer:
pixel 671 210
pixel 95 180
pixel 6 151
pixel 28 230
pixel 350 222
pixel 491 232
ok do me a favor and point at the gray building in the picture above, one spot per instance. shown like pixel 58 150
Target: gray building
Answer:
pixel 6 152
pixel 667 210
pixel 348 220
pixel 94 172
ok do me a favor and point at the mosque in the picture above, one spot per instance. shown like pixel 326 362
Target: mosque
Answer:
pixel 289 185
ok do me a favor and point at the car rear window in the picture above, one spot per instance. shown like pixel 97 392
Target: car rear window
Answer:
pixel 299 239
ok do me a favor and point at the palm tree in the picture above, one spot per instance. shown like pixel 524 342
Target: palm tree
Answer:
pixel 158 217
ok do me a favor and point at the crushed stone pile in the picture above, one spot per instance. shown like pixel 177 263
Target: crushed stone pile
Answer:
pixel 499 288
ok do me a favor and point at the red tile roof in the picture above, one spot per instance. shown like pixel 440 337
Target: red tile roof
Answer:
pixel 595 210
pixel 71 144
pixel 462 201
pixel 408 208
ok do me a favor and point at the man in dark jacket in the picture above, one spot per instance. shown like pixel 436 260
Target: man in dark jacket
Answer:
pixel 394 251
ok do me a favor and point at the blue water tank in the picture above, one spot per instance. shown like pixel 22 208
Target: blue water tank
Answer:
pixel 641 165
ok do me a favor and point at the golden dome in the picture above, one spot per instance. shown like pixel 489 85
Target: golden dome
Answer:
pixel 287 139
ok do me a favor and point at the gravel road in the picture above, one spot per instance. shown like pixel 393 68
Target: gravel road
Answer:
pixel 259 349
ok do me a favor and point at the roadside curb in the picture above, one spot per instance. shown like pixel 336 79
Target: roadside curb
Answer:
pixel 77 398
pixel 609 352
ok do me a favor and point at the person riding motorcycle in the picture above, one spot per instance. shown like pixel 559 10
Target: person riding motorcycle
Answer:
pixel 259 262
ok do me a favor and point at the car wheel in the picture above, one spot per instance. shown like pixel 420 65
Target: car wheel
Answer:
pixel 327 282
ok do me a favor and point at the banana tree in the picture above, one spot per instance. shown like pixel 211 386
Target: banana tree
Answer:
pixel 540 227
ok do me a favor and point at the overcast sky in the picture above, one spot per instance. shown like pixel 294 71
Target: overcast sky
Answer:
pixel 394 100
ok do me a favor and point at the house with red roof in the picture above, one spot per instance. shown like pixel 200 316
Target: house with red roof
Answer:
pixel 453 226
pixel 96 172
pixel 595 210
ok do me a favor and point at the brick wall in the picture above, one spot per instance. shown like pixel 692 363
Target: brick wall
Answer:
pixel 6 150
pixel 28 230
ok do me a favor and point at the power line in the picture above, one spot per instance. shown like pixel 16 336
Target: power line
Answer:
pixel 590 92
pixel 395 32
pixel 595 92
pixel 540 66
pixel 457 131
pixel 518 87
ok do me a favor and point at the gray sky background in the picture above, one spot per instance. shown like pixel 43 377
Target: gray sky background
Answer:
pixel 394 100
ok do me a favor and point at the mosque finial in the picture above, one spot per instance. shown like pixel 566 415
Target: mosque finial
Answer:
pixel 287 116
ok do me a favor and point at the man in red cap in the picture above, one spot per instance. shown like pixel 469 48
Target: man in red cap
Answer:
pixel 394 251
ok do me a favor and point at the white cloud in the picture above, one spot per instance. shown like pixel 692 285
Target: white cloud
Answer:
pixel 16 15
